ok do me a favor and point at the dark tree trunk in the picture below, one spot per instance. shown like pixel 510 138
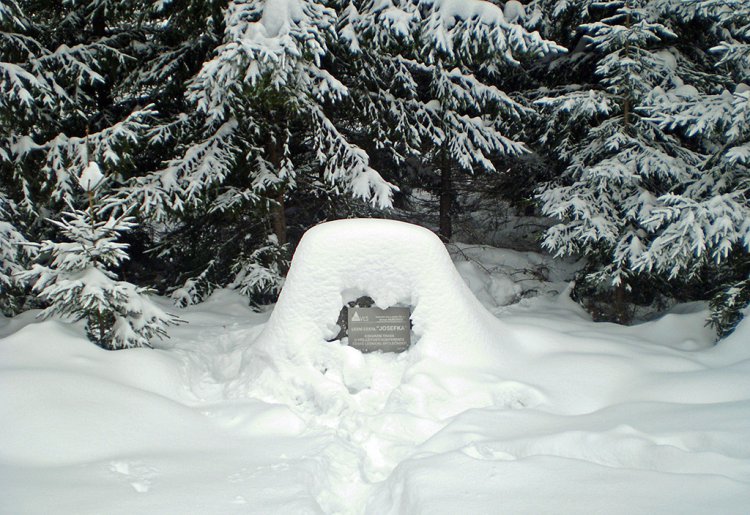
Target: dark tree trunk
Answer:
pixel 278 218
pixel 620 305
pixel 446 198
pixel 103 89
pixel 622 315
pixel 98 22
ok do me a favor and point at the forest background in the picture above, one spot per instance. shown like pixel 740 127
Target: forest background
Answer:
pixel 182 146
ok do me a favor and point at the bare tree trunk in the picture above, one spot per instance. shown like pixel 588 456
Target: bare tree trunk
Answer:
pixel 446 198
pixel 620 298
pixel 278 218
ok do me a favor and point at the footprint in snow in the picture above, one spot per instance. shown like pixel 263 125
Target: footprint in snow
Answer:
pixel 482 451
pixel 138 474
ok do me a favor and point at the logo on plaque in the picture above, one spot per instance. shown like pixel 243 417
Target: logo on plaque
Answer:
pixel 373 329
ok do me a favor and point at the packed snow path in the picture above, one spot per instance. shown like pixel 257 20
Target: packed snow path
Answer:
pixel 566 416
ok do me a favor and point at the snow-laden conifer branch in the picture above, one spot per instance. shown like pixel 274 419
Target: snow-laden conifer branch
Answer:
pixel 275 43
pixel 196 288
pixel 55 80
pixel 708 229
pixel 448 30
pixel 182 182
pixel 165 65
pixel 259 273
pixel 65 157
pixel 347 164
pixel 234 198
pixel 658 186
pixel 619 172
pixel 708 217
pixel 12 15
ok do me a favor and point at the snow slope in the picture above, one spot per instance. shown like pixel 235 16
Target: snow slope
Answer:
pixel 536 410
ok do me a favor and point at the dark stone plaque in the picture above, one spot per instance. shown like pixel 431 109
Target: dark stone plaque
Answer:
pixel 371 329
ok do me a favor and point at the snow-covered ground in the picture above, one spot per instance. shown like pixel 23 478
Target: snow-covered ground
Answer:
pixel 512 403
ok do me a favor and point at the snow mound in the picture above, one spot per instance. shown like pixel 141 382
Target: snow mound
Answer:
pixel 457 350
pixel 392 262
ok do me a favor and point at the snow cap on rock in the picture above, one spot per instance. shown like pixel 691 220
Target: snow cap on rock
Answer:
pixel 394 263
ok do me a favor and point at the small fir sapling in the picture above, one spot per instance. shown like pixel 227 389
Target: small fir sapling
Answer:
pixel 77 281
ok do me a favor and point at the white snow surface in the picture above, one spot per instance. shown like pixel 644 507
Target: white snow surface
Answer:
pixel 516 404
pixel 91 176
pixel 514 10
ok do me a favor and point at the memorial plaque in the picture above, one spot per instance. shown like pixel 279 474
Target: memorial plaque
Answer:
pixel 372 329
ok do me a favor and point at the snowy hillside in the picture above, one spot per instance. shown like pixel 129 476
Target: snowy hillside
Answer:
pixel 506 404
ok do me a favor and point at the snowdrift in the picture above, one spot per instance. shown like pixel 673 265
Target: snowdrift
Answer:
pixel 457 345
pixel 650 418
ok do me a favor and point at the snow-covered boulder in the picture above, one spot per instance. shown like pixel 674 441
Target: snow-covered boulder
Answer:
pixel 455 342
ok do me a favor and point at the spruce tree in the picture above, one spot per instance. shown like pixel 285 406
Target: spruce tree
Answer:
pixel 707 221
pixel 424 76
pixel 258 139
pixel 620 166
pixel 76 280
